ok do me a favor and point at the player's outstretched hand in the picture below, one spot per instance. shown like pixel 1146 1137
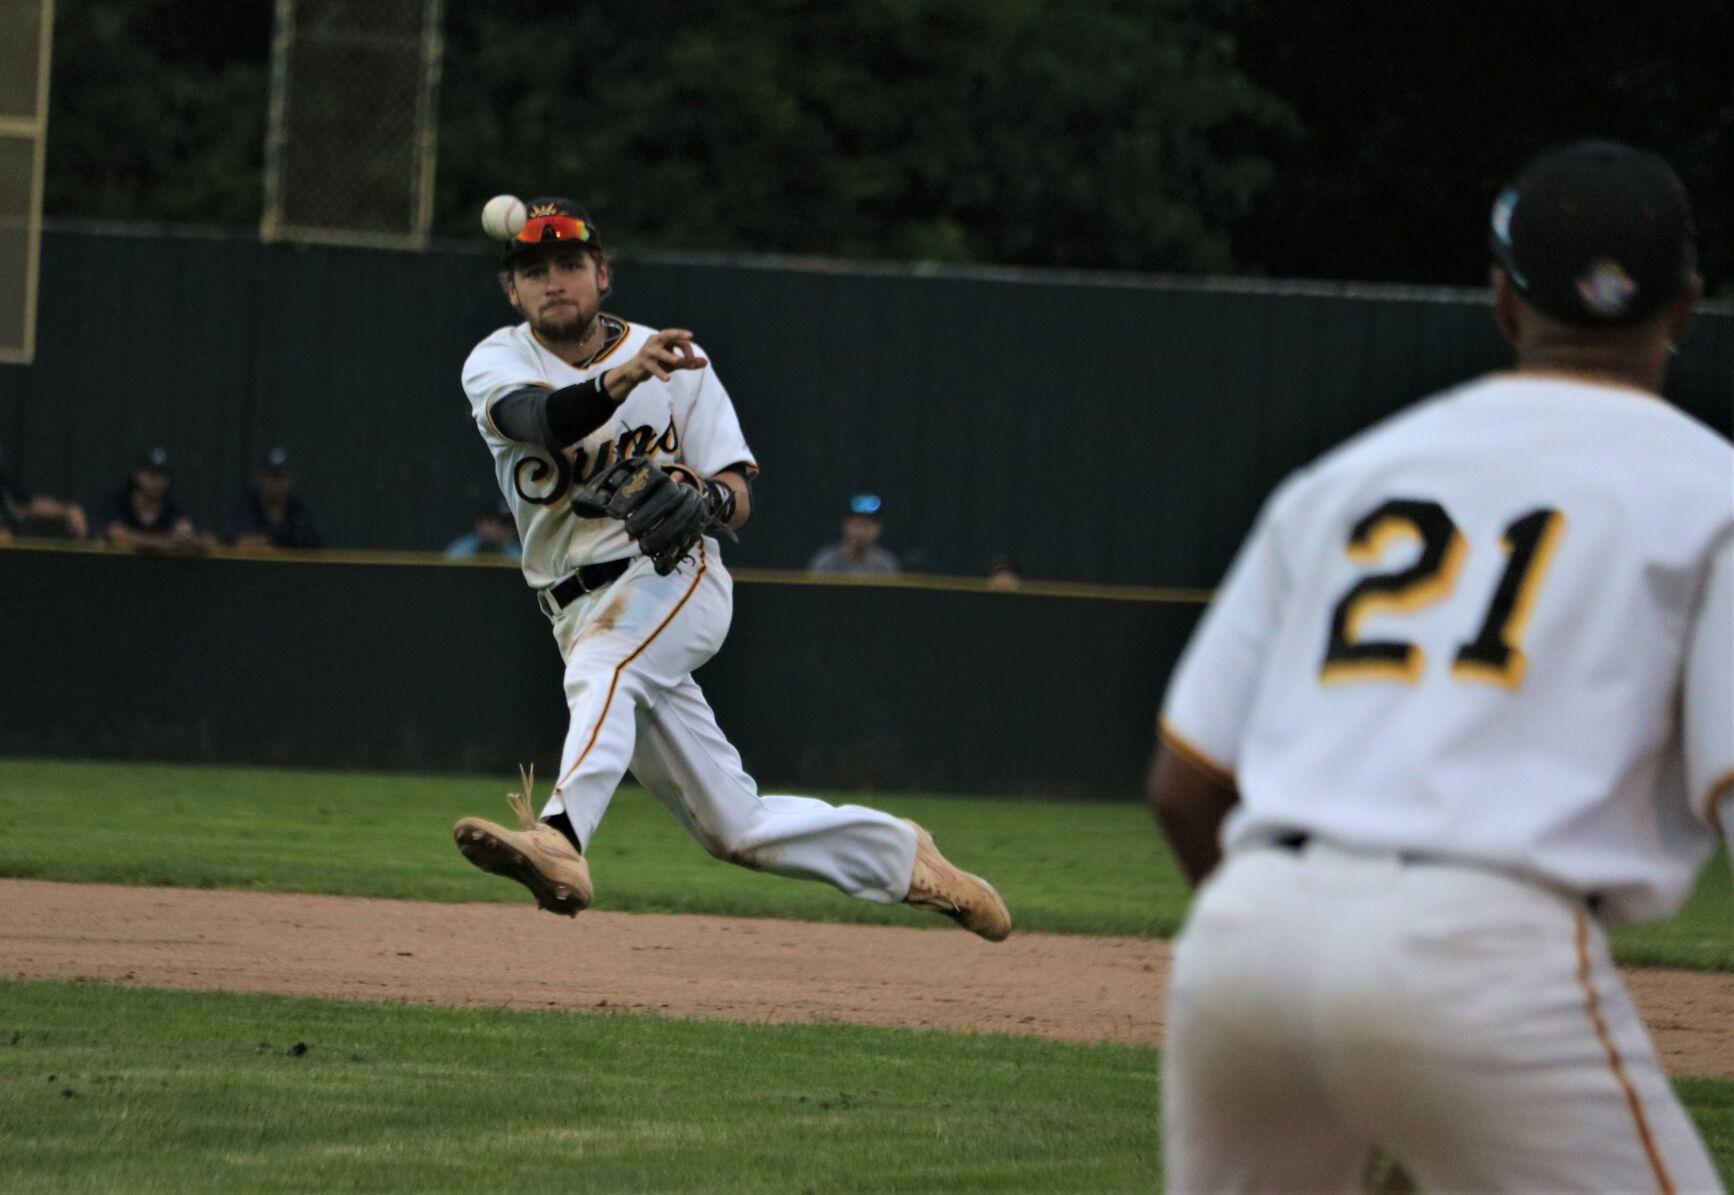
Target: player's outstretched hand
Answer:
pixel 665 353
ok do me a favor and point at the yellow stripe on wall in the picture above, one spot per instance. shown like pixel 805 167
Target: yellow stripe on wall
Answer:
pixel 1175 595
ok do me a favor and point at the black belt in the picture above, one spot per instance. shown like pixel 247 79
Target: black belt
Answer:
pixel 588 579
pixel 1296 841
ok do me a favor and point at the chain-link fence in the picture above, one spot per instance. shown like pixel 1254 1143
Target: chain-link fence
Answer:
pixel 349 154
pixel 26 27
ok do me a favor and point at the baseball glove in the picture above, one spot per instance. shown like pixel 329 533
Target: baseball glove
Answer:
pixel 665 516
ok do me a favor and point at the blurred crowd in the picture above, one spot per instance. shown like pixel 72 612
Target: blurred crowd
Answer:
pixel 141 512
pixel 270 515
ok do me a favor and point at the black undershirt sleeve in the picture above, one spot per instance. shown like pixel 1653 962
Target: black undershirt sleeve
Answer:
pixel 552 418
pixel 745 470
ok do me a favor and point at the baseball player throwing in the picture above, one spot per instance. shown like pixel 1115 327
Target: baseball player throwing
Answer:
pixel 621 457
pixel 1465 697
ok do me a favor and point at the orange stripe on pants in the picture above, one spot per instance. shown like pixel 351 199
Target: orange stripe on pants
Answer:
pixel 1601 1026
pixel 614 683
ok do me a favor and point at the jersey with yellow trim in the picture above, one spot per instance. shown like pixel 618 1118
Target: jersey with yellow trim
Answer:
pixel 688 419
pixel 1497 628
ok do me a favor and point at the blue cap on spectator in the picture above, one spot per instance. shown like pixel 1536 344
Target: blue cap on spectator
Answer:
pixel 864 504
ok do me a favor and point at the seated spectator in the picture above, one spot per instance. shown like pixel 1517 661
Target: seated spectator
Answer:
pixel 272 513
pixel 858 551
pixel 495 534
pixel 143 514
pixel 38 515
pixel 1002 573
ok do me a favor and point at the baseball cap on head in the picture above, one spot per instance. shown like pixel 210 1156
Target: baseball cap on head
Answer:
pixel 865 504
pixel 276 461
pixel 1595 234
pixel 549 223
pixel 154 459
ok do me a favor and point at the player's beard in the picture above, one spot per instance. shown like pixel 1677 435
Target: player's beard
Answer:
pixel 565 324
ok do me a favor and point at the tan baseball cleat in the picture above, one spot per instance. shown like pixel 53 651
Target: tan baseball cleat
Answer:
pixel 967 899
pixel 538 856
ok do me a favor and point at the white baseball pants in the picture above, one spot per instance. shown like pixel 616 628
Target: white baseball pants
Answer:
pixel 630 649
pixel 1326 1001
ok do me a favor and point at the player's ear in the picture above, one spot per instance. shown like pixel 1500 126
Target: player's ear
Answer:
pixel 509 288
pixel 604 283
pixel 1681 310
pixel 1506 304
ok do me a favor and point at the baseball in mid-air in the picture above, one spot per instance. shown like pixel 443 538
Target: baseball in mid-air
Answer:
pixel 503 217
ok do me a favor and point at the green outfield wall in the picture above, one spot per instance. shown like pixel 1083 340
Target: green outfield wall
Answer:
pixel 1099 429
pixel 422 665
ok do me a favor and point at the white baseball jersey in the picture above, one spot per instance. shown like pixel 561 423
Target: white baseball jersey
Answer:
pixel 1496 628
pixel 688 419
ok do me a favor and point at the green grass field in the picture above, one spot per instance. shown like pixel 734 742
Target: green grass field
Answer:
pixel 132 1090
pixel 1068 867
pixel 120 1089
pixel 1081 868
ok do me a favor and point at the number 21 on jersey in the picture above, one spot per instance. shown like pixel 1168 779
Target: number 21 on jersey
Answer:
pixel 1495 654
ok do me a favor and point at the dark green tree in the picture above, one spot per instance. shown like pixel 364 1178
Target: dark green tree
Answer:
pixel 1053 132
pixel 157 111
pixel 1349 140
pixel 1415 114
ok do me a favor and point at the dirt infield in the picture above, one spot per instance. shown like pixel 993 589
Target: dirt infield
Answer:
pixel 1075 988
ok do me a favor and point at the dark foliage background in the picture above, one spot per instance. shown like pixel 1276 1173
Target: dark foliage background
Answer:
pixel 1356 139
pixel 1416 114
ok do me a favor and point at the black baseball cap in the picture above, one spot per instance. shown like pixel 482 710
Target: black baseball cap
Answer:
pixel 549 223
pixel 154 459
pixel 276 461
pixel 1596 234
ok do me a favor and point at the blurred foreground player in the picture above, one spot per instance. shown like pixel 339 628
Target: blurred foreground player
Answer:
pixel 1465 697
pixel 565 400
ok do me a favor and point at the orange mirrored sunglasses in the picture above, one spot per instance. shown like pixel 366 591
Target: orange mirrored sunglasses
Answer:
pixel 554 228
